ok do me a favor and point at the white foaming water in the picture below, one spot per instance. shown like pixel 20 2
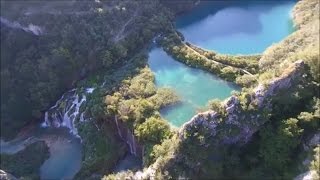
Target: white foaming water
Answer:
pixel 116 119
pixel 45 124
pixel 90 90
pixel 36 30
pixel 127 137
pixel 82 117
pixel 69 120
pixel 66 110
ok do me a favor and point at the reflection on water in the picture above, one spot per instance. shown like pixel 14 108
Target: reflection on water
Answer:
pixel 237 27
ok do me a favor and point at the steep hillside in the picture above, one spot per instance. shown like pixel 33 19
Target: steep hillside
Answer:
pixel 46 47
pixel 263 132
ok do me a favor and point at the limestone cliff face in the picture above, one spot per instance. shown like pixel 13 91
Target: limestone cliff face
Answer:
pixel 234 125
pixel 262 92
pixel 242 124
pixel 308 147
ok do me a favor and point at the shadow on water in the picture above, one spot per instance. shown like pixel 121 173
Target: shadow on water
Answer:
pixel 208 8
pixel 237 27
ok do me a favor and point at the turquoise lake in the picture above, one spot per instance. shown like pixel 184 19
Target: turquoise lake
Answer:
pixel 231 27
pixel 194 86
pixel 65 154
pixel 237 27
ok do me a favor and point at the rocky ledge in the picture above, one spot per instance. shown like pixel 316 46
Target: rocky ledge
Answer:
pixel 233 119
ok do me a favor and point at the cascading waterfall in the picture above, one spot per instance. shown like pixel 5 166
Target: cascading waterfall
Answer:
pixel 36 30
pixel 134 149
pixel 116 119
pixel 127 137
pixel 65 111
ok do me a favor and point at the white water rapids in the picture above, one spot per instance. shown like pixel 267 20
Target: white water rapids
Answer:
pixel 66 110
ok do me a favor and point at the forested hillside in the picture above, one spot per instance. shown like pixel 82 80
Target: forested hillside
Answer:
pixel 98 48
pixel 47 46
pixel 269 130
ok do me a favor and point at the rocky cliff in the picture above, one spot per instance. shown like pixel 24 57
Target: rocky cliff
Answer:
pixel 231 125
pixel 235 118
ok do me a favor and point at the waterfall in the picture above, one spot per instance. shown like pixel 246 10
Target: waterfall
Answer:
pixel 130 142
pixel 116 119
pixel 127 137
pixel 82 117
pixel 36 30
pixel 66 110
pixel 46 122
pixel 103 84
pixel 134 149
pixel 90 90
pixel 130 146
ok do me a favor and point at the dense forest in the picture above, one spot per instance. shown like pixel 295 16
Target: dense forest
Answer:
pixel 76 39
pixel 268 130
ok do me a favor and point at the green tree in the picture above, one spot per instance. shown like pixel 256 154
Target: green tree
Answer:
pixel 276 148
pixel 153 130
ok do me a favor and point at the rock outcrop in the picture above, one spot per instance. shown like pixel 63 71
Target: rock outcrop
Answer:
pixel 309 175
pixel 261 93
pixel 220 125
pixel 234 120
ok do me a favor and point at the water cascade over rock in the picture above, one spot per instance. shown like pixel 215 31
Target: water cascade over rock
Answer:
pixel 36 30
pixel 127 136
pixel 66 110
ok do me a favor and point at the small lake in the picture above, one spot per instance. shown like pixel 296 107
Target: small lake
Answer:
pixel 65 154
pixel 237 27
pixel 194 86
pixel 65 151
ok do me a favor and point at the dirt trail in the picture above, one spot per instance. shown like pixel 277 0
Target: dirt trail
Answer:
pixel 241 69
pixel 121 34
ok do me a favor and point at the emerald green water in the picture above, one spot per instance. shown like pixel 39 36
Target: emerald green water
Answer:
pixel 237 27
pixel 194 86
